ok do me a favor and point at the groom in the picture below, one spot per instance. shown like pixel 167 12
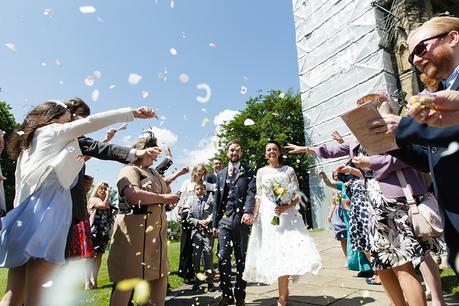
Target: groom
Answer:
pixel 233 213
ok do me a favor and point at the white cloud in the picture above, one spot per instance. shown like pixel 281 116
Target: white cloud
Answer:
pixel 165 136
pixel 225 116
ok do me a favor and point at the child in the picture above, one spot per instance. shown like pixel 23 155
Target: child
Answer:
pixel 200 215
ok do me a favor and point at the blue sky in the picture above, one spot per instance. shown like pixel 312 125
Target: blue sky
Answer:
pixel 49 48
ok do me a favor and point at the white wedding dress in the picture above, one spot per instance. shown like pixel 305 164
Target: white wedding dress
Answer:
pixel 278 250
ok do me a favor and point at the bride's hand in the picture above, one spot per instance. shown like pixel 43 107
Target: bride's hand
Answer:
pixel 280 209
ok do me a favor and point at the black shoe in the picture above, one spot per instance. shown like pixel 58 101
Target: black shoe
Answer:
pixel 212 288
pixel 365 274
pixel 195 287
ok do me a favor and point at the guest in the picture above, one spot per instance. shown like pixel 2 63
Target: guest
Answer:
pixel 139 241
pixel 101 221
pixel 48 162
pixel 200 216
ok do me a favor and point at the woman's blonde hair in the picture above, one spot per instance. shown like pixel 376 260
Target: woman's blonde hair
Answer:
pixel 96 188
pixel 194 173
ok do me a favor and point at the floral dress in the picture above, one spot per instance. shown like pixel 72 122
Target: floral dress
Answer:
pixel 101 226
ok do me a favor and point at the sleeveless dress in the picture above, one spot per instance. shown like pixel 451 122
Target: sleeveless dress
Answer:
pixel 278 250
pixel 35 228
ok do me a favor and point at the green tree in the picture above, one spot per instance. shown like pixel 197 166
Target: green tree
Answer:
pixel 7 124
pixel 277 116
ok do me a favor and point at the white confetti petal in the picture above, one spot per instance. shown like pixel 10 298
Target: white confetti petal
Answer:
pixel 11 46
pixel 43 64
pixel 183 35
pixel 212 45
pixel 453 147
pixel 248 122
pixel 206 87
pixel 184 78
pixel 47 284
pixel 173 51
pixel 58 63
pixel 172 3
pixel 89 81
pixel 282 95
pixel 163 75
pixel 145 94
pixel 61 82
pixel 99 19
pixel 204 110
pixel 88 9
pixel 97 74
pixel 95 95
pixel 245 79
pixel 134 78
pixel 48 12
pixel 112 86
pixel 243 90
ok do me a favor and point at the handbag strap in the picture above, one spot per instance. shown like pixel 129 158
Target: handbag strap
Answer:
pixel 406 189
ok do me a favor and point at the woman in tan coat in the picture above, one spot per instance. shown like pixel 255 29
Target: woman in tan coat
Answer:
pixel 139 241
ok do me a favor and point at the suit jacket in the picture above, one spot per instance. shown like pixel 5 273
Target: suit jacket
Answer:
pixel 245 193
pixel 162 167
pixel 99 150
pixel 194 214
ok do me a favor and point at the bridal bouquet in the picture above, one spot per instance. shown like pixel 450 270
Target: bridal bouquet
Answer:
pixel 279 190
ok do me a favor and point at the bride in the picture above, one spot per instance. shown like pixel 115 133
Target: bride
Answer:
pixel 279 246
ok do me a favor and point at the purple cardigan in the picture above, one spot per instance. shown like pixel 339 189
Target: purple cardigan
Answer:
pixel 383 166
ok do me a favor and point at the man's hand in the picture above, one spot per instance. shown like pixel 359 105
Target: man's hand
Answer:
pixel 440 109
pixel 144 113
pixel 153 152
pixel 215 232
pixel 247 219
pixel 184 170
pixel 203 222
pixel 388 124
pixel 110 134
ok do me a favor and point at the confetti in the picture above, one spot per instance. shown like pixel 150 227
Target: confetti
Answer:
pixel 282 95
pixel 245 79
pixel 172 4
pixel 95 95
pixel 11 46
pixel 201 276
pixel 112 86
pixel 99 19
pixel 163 75
pixel 97 74
pixel 48 12
pixel 145 94
pixel 137 254
pixel 43 64
pixel 243 90
pixel 89 81
pixel 20 133
pixel 89 9
pixel 134 78
pixel 453 147
pixel 184 78
pixel 204 110
pixel 61 82
pixel 47 284
pixel 212 45
pixel 183 35
pixel 204 122
pixel 248 122
pixel 206 87
pixel 58 63
pixel 149 229
pixel 173 51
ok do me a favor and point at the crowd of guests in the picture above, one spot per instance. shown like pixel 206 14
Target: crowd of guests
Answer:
pixel 250 214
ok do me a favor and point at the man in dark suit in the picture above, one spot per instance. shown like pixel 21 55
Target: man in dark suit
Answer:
pixel 233 213
pixel 434 51
pixel 211 178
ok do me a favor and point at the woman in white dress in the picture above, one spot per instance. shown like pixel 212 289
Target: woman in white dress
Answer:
pixel 283 249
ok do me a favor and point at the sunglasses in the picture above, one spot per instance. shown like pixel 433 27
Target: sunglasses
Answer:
pixel 421 47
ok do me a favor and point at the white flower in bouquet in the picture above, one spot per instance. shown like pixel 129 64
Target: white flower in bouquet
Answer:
pixel 280 191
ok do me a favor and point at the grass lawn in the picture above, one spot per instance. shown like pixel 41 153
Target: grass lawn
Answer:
pixel 101 295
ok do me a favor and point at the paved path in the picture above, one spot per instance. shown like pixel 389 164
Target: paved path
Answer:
pixel 334 285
